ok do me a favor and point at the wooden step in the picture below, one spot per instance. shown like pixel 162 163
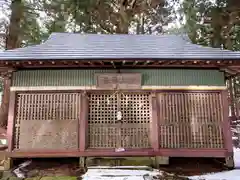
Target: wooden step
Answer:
pixel 121 167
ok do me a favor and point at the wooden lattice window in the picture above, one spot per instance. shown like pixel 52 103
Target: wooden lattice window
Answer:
pixel 190 120
pixel 47 121
pixel 104 129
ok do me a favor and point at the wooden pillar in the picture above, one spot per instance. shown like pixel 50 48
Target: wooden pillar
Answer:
pixel 6 75
pixel 235 99
pixel 11 115
pixel 154 122
pixel 232 104
pixel 83 128
pixel 83 123
pixel 227 129
pixel 5 108
pixel 155 130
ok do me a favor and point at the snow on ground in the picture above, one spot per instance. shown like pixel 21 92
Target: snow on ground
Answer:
pixel 237 157
pixel 119 174
pixel 127 173
pixel 225 175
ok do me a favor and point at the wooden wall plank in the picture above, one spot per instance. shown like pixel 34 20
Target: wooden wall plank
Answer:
pixel 11 116
pixel 155 122
pixel 83 123
pixel 226 123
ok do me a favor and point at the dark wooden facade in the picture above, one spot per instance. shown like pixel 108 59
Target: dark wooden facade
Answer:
pixel 173 108
pixel 165 129
pixel 175 121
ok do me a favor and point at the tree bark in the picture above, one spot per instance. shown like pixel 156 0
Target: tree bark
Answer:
pixel 124 19
pixel 12 40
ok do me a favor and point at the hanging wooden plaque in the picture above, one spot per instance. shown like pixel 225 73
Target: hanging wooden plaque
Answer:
pixel 118 80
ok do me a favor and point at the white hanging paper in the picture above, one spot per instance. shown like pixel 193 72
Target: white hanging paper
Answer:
pixel 119 149
pixel 119 115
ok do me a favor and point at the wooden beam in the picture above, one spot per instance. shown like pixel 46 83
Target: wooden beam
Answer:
pixel 112 62
pixel 154 122
pixel 108 63
pixel 229 71
pixel 183 152
pixel 232 104
pixel 226 123
pixel 6 75
pixel 135 63
pixel 83 123
pixel 101 62
pixel 146 62
pixel 11 116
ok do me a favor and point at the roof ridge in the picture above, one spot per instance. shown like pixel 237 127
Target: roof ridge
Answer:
pixel 84 34
pixel 64 45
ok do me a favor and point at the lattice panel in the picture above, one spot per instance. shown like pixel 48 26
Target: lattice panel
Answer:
pixel 47 121
pixel 191 120
pixel 106 132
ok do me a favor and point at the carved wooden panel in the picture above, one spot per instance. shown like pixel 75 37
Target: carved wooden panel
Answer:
pixel 47 121
pixel 190 120
pixel 104 129
pixel 119 80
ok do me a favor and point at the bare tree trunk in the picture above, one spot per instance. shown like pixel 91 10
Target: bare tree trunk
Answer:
pixel 142 24
pixel 12 40
pixel 124 20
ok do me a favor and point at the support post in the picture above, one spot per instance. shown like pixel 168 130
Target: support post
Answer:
pixel 11 115
pixel 227 129
pixel 232 104
pixel 235 99
pixel 156 117
pixel 6 75
pixel 7 111
pixel 154 123
pixel 83 127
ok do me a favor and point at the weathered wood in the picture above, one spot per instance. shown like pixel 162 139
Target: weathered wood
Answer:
pixel 105 131
pixel 106 63
pixel 83 123
pixel 232 104
pixel 47 121
pixel 178 152
pixel 154 122
pixel 120 162
pixel 236 103
pixel 93 88
pixel 11 117
pixel 226 124
pixel 190 118
pixel 6 75
pixel 118 80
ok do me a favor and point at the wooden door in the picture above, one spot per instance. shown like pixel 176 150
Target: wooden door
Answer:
pixel 107 131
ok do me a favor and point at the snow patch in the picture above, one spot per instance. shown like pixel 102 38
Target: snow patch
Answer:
pixel 236 157
pixel 225 175
pixel 119 174
pixel 118 167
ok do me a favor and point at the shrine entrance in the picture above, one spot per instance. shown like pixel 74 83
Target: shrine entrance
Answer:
pixel 119 120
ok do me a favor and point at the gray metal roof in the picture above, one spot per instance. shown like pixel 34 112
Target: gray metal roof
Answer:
pixel 98 46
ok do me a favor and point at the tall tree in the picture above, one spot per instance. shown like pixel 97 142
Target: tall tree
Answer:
pixel 13 32
pixel 155 19
pixel 108 16
pixel 116 16
pixel 213 23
